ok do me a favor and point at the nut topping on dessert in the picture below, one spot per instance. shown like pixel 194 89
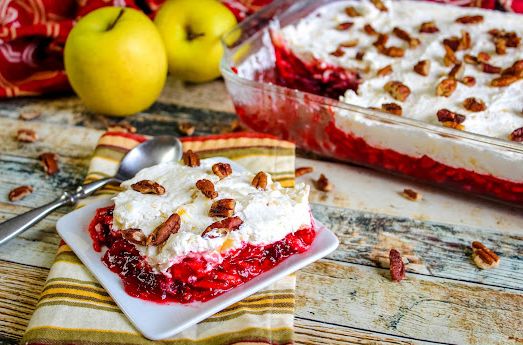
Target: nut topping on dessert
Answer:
pixel 344 26
pixel 483 57
pixel 359 55
pixel 470 19
pixel 349 44
pixel 222 170
pixel 302 171
pixel 504 80
pixel 457 71
pixel 516 69
pixel 405 36
pixel 384 71
pixel 483 257
pixel 445 115
pixel 222 227
pixel 397 267
pixel 446 87
pixel 422 67
pixel 465 41
pixel 207 188
pixel 191 159
pixel 351 11
pixel 468 80
pixel 488 68
pixel 517 135
pixel 49 162
pixel 260 180
pixel 135 236
pixel 369 30
pixel 511 38
pixel 470 59
pixel 148 187
pixel 501 46
pixel 222 208
pixel 397 90
pixel 381 41
pixel 450 57
pixel 428 28
pixel 323 184
pixel 411 195
pixel 379 5
pixel 339 52
pixel 392 108
pixel 164 230
pixel 25 135
pixel 474 104
pixel 392 51
pixel 19 193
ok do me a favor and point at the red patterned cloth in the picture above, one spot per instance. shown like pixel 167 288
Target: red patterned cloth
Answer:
pixel 33 34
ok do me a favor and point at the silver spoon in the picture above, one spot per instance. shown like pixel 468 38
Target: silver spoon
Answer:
pixel 155 151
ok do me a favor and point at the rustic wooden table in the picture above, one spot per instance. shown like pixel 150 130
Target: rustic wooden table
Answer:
pixel 346 298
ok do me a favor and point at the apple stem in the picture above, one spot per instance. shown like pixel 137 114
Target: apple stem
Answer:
pixel 120 14
pixel 192 35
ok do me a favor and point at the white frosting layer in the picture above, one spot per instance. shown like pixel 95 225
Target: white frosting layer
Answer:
pixel 504 105
pixel 268 216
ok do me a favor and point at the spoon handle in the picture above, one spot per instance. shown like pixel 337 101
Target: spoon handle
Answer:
pixel 24 221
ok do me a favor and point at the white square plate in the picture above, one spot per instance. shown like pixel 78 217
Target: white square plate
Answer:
pixel 159 321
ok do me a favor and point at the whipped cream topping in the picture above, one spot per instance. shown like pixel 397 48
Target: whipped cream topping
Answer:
pixel 504 105
pixel 268 215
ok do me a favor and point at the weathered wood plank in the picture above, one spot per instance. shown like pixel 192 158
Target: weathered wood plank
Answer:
pixel 419 307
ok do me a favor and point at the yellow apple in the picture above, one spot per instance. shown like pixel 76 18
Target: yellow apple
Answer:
pixel 191 30
pixel 116 61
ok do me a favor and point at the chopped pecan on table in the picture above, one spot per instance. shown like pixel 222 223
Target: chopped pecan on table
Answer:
pixel 359 55
pixel 516 135
pixel 449 58
pixel 501 46
pixel 405 36
pixel 474 104
pixel 369 30
pixel 344 26
pixel 302 171
pixel 350 43
pixel 476 19
pixel 392 108
pixel 351 11
pixel 25 135
pixel 384 71
pixel 260 180
pixel 221 170
pixel 186 128
pixel 222 208
pixel 148 187
pixel 392 51
pixel 222 227
pixel 411 195
pixel 135 236
pixel 19 193
pixel 379 5
pixel 397 90
pixel 483 257
pixel 191 159
pixel 422 67
pixel 446 87
pixel 468 80
pixel 122 126
pixel 397 267
pixel 49 162
pixel 457 71
pixel 491 69
pixel 207 188
pixel 164 230
pixel 428 28
pixel 339 52
pixel 28 115
pixel 504 80
pixel 323 184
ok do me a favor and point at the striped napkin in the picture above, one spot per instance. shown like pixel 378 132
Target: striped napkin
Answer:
pixel 75 309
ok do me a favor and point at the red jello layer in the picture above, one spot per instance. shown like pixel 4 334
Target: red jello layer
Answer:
pixel 190 279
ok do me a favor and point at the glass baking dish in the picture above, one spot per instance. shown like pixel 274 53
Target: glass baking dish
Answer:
pixel 457 160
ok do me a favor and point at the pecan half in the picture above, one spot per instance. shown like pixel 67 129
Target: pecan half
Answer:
pixel 483 257
pixel 501 46
pixel 350 43
pixel 470 19
pixel 457 71
pixel 323 184
pixel 351 11
pixel 392 108
pixel 397 267
pixel 222 208
pixel 488 68
pixel 392 51
pixel 222 170
pixel 191 159
pixel 148 187
pixel 428 28
pixel 422 67
pixel 446 87
pixel 302 171
pixel 445 115
pixel 450 57
pixel 468 80
pixel 19 193
pixel 516 135
pixel 359 55
pixel 222 227
pixel 25 135
pixel 384 71
pixel 474 104
pixel 397 90
pixel 260 180
pixel 379 5
pixel 411 195
pixel 49 162
pixel 135 236
pixel 405 36
pixel 123 127
pixel 504 80
pixel 186 128
pixel 339 52
pixel 207 188
pixel 28 115
pixel 164 230
pixel 369 30
pixel 344 26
